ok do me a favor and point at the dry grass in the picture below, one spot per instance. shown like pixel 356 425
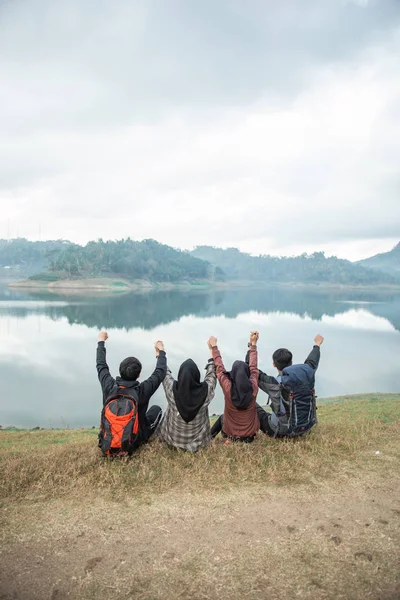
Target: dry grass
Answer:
pixel 316 517
pixel 51 464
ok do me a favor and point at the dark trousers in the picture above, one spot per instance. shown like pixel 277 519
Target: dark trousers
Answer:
pixel 218 427
pixel 266 426
pixel 153 417
pixel 264 418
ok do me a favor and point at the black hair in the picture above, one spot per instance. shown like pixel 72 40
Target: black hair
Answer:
pixel 130 368
pixel 282 358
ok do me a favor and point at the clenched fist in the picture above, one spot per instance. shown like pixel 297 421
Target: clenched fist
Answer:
pixel 254 335
pixel 318 340
pixel 159 345
pixel 212 342
pixel 103 336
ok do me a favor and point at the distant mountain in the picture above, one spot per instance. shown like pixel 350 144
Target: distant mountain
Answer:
pixel 387 262
pixel 313 268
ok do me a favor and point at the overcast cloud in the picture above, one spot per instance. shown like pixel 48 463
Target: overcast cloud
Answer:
pixel 270 126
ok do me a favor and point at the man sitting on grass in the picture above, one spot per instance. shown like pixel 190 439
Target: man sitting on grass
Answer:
pixel 129 371
pixel 291 394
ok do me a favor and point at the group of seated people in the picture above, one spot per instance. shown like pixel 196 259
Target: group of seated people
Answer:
pixel 127 422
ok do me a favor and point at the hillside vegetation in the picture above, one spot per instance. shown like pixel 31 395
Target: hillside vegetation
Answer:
pixel 146 260
pixel 315 518
pixel 388 262
pixel 151 261
pixel 28 257
pixel 313 268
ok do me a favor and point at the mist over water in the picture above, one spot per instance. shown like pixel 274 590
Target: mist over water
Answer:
pixel 47 354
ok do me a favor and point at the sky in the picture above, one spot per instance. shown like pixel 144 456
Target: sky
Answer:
pixel 269 126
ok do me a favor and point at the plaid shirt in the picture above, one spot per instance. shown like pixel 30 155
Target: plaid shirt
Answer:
pixel 174 430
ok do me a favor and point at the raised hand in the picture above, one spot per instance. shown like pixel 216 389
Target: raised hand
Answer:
pixel 159 345
pixel 254 335
pixel 212 342
pixel 318 340
pixel 103 336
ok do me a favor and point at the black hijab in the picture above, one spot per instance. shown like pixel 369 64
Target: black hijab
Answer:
pixel 189 393
pixel 242 388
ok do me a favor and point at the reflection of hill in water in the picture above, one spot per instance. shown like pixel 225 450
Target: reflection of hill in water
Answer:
pixel 148 310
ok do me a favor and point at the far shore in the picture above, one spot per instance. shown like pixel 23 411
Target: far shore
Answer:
pixel 105 284
pixel 121 285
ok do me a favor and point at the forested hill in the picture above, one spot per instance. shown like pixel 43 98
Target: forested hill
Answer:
pixel 147 260
pixel 388 262
pixel 313 268
pixel 28 257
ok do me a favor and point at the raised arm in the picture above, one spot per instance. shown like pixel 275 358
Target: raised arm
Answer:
pixel 168 383
pixel 107 382
pixel 150 385
pixel 210 376
pixel 313 358
pixel 222 377
pixel 253 361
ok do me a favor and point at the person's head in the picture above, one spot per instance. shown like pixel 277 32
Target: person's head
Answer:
pixel 242 389
pixel 240 369
pixel 282 358
pixel 130 368
pixel 189 373
pixel 189 392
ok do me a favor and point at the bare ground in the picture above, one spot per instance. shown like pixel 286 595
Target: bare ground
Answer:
pixel 316 518
pixel 259 542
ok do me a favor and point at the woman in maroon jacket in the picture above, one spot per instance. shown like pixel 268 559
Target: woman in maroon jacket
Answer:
pixel 240 420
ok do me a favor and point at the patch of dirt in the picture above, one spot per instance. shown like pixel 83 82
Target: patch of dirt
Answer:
pixel 255 543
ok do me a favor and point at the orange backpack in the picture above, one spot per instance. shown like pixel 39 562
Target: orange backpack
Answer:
pixel 119 425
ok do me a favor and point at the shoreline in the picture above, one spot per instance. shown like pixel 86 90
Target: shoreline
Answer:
pixel 120 285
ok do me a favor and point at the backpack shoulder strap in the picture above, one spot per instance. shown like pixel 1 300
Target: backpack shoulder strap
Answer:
pixel 122 391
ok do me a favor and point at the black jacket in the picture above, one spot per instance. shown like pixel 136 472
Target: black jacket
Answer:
pixel 143 390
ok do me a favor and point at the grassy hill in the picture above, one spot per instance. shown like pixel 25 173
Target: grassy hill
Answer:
pixel 316 517
pixel 386 262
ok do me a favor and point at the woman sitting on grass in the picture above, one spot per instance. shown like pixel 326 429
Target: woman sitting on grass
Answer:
pixel 186 422
pixel 240 421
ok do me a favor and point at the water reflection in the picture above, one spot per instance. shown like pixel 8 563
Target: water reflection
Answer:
pixel 148 310
pixel 48 342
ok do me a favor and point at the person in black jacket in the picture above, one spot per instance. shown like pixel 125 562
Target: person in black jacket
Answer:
pixel 129 371
pixel 279 423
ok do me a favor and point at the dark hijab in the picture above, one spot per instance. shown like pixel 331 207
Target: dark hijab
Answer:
pixel 242 388
pixel 189 393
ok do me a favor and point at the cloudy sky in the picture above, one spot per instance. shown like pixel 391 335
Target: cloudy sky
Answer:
pixel 270 126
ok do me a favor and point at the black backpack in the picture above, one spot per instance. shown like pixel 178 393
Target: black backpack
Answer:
pixel 297 383
pixel 119 425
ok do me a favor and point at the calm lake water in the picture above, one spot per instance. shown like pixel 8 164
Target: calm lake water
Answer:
pixel 48 342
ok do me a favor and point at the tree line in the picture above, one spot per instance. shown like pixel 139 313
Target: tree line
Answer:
pixel 151 261
pixel 306 268
pixel 146 260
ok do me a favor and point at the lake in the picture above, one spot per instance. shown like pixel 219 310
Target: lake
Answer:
pixel 48 342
